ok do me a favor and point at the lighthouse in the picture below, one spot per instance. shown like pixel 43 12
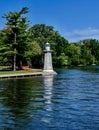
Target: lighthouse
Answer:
pixel 48 67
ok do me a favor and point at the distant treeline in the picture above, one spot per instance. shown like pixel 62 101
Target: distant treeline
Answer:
pixel 21 44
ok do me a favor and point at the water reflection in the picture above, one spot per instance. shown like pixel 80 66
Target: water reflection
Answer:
pixel 48 93
pixel 15 99
pixel 48 84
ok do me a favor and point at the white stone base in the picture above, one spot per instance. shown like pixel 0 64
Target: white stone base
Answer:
pixel 48 72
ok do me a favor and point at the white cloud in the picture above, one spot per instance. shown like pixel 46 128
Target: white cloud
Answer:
pixel 77 35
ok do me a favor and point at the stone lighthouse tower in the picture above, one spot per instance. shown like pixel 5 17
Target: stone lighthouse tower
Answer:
pixel 48 68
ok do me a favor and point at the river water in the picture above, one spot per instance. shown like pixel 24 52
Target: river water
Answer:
pixel 66 101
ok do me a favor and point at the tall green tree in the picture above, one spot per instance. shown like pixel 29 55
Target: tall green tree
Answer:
pixel 17 34
pixel 41 33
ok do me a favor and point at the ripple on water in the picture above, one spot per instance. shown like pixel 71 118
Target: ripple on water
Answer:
pixel 69 100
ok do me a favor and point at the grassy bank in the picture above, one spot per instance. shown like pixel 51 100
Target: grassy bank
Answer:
pixel 13 72
pixel 3 72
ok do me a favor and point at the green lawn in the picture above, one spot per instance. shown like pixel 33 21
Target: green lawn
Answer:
pixel 4 70
pixel 13 72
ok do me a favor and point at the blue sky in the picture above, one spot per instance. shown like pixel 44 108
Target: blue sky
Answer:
pixel 74 19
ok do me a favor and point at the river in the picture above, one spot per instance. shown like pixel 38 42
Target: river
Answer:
pixel 66 101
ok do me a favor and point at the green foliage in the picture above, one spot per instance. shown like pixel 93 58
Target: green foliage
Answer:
pixel 89 51
pixel 83 53
pixel 62 60
pixel 74 53
pixel 34 51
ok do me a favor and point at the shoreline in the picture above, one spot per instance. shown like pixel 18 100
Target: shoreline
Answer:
pixel 28 73
pixel 21 75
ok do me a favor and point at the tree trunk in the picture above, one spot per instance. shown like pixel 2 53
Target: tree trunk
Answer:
pixel 14 59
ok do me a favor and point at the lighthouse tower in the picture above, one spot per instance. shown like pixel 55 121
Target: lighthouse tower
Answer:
pixel 48 68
